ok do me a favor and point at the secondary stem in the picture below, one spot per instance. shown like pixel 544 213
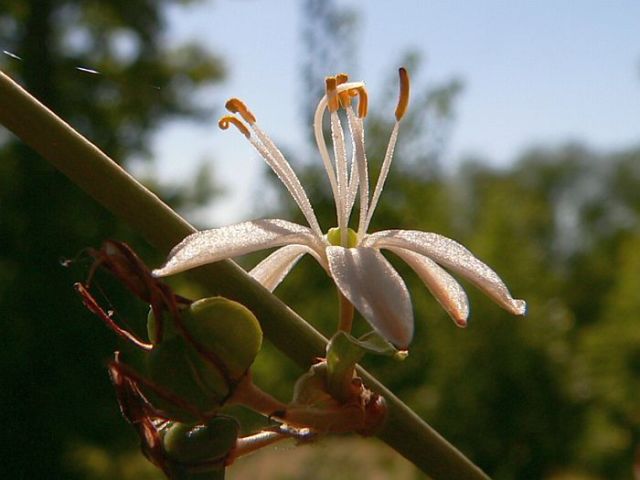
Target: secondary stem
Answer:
pixel 250 395
pixel 346 314
pixel 217 474
pixel 246 445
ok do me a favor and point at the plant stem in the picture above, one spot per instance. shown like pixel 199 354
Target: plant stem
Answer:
pixel 246 445
pixel 120 193
pixel 217 474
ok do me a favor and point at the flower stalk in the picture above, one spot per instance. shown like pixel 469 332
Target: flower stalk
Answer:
pixel 101 178
pixel 346 314
pixel 339 383
pixel 250 395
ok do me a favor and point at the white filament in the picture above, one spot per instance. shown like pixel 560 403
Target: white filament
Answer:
pixel 354 178
pixel 384 171
pixel 340 158
pixel 362 169
pixel 275 159
pixel 319 136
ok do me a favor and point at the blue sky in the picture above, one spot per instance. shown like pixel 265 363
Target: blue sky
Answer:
pixel 534 72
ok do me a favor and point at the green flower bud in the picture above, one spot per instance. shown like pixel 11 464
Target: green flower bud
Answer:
pixel 314 407
pixel 175 367
pixel 193 444
pixel 168 328
pixel 228 329
pixel 311 388
pixel 198 362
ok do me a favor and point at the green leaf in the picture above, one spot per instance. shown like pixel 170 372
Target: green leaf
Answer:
pixel 345 351
pixel 372 342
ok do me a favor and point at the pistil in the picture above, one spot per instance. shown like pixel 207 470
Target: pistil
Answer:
pixel 340 158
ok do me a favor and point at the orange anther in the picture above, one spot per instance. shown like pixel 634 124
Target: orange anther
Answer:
pixel 332 94
pixel 235 105
pixel 403 100
pixel 344 96
pixel 227 120
pixel 363 101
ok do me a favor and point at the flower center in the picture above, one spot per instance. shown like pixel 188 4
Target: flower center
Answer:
pixel 333 236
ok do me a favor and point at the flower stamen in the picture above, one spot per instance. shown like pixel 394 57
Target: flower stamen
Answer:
pixel 319 134
pixel 354 177
pixel 342 78
pixel 403 100
pixel 274 158
pixel 344 96
pixel 360 167
pixel 235 105
pixel 363 101
pixel 228 120
pixel 331 84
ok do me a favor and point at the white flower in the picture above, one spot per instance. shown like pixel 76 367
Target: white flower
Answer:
pixel 351 258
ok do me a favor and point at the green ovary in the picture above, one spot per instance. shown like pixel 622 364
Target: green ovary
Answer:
pixel 333 235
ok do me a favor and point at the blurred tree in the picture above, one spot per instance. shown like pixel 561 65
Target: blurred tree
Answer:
pixel 606 371
pixel 512 412
pixel 103 66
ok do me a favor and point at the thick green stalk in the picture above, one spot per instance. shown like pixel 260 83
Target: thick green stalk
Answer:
pixel 208 475
pixel 117 191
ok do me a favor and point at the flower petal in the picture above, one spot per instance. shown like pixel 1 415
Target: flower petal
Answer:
pixel 443 286
pixel 450 254
pixel 273 269
pixel 375 289
pixel 210 246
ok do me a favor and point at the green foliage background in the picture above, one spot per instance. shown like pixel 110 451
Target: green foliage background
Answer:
pixel 53 386
pixel 551 395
